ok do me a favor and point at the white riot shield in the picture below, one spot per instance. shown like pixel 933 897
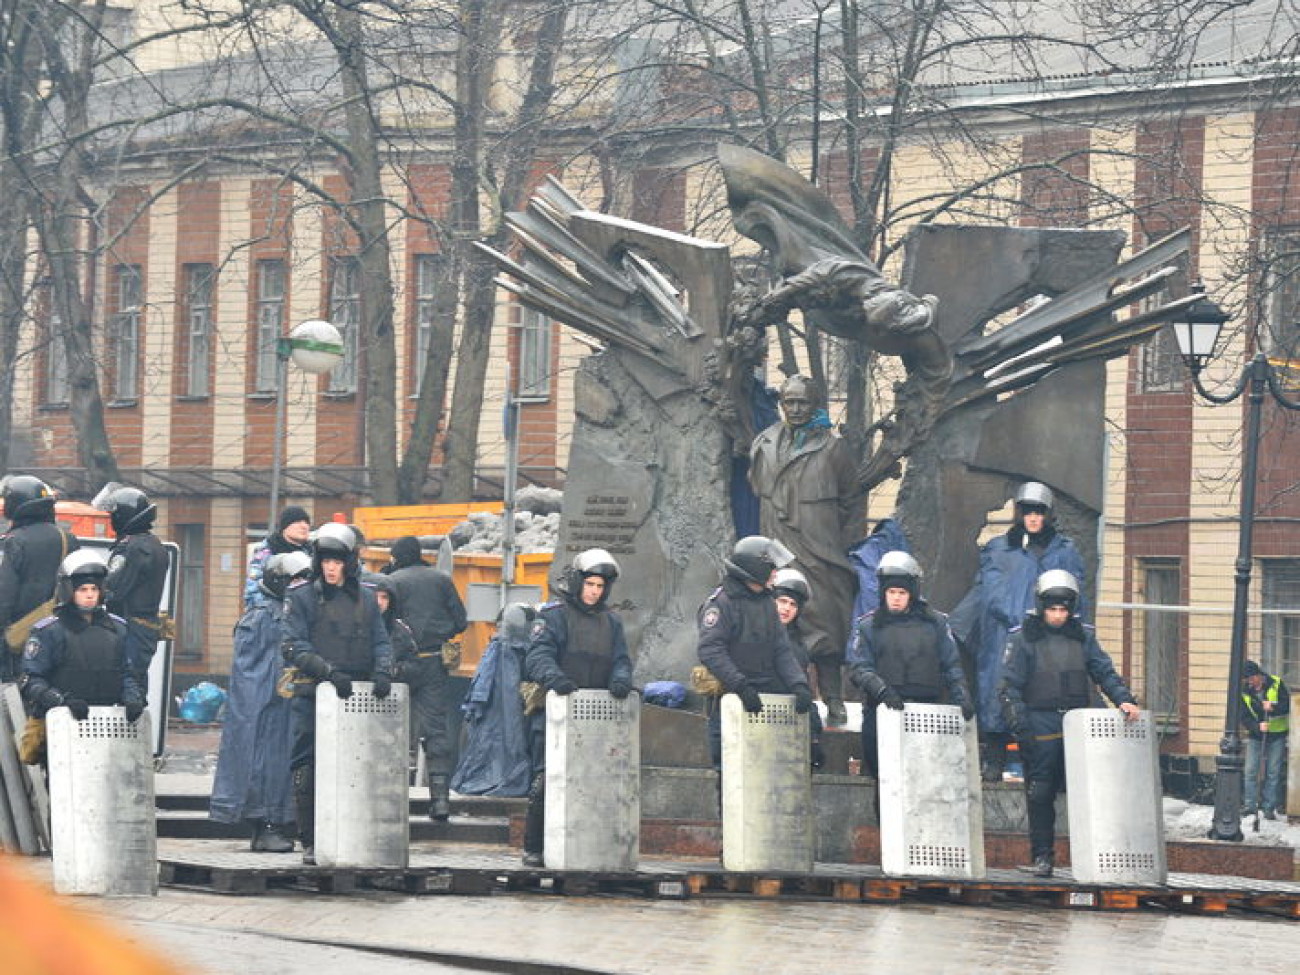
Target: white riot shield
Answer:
pixel 767 814
pixel 931 808
pixel 593 781
pixel 102 803
pixel 362 792
pixel 1112 776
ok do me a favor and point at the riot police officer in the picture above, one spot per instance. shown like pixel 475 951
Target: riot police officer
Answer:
pixel 333 631
pixel 791 592
pixel 741 639
pixel 577 642
pixel 1050 659
pixel 137 572
pixel 1002 594
pixel 433 610
pixel 252 778
pixel 76 657
pixel 903 651
pixel 29 563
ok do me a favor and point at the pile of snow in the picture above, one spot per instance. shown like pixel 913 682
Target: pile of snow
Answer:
pixel 537 524
pixel 1189 821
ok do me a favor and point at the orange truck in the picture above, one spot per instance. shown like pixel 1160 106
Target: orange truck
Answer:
pixel 477 575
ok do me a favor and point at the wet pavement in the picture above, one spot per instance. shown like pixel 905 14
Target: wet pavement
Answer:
pixel 287 931
pixel 290 932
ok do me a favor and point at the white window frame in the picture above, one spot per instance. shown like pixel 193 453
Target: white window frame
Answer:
pixel 427 272
pixel 128 284
pixel 200 281
pixel 345 315
pixel 535 332
pixel 1280 628
pixel 271 287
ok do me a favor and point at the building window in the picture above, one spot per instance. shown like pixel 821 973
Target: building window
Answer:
pixel 191 584
pixel 1280 336
pixel 1162 369
pixel 1280 643
pixel 128 291
pixel 534 356
pixel 345 314
pixel 57 390
pixel 270 322
pixel 1161 629
pixel 428 270
pixel 198 309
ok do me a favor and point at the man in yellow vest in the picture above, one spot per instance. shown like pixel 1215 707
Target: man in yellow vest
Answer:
pixel 1266 717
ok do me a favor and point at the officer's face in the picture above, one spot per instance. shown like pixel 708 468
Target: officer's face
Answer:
pixel 1055 616
pixel 787 608
pixel 593 587
pixel 86 596
pixel 382 598
pixel 297 532
pixel 897 599
pixel 331 571
pixel 1034 519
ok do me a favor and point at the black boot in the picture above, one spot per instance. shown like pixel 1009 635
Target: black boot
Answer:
pixel 271 839
pixel 1041 867
pixel 995 758
pixel 304 799
pixel 439 802
pixel 535 823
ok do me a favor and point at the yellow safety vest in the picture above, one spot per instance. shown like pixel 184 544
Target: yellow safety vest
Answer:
pixel 1275 725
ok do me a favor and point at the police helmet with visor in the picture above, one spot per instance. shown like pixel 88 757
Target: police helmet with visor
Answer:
pixel 755 557
pixel 78 568
pixel 899 570
pixel 1056 587
pixel 27 498
pixel 592 562
pixel 281 569
pixel 792 583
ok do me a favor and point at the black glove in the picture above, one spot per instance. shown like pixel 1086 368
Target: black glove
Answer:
pixel 818 755
pixel 967 710
pixel 563 686
pixel 620 687
pixel 802 699
pixel 77 707
pixel 342 684
pixel 750 699
pixel 891 699
pixel 383 685
pixel 51 697
pixel 133 711
pixel 313 665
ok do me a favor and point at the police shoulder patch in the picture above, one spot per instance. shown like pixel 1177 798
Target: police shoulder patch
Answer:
pixel 711 616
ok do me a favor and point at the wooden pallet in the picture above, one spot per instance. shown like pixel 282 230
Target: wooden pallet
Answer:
pixel 497 872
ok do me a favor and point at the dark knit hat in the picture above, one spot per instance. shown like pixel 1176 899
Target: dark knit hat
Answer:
pixel 292 515
pixel 406 551
pixel 1251 669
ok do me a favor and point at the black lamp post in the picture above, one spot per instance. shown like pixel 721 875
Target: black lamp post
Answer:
pixel 1197 333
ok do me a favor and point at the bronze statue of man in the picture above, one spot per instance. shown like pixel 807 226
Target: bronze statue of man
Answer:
pixel 806 479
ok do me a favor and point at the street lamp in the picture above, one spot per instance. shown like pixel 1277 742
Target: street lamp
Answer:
pixel 1197 334
pixel 316 347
